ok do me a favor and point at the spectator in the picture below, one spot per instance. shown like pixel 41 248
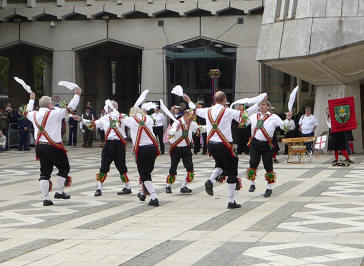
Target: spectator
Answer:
pixel 101 131
pixel 307 126
pixel 87 132
pixel 2 141
pixel 159 123
pixel 92 110
pixel 72 137
pixel 8 108
pixel 23 129
pixel 4 125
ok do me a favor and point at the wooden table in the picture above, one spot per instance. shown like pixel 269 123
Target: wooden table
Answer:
pixel 296 147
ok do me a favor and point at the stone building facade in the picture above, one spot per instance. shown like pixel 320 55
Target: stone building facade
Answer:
pixel 117 48
pixel 320 42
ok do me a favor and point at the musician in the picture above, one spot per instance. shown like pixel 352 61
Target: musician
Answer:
pixel 48 145
pixel 263 126
pixel 290 133
pixel 307 127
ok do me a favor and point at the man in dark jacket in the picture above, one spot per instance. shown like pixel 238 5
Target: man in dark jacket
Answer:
pixel 72 137
pixel 23 129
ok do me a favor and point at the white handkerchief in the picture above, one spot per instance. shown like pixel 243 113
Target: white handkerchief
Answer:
pixel 69 85
pixel 25 86
pixel 177 90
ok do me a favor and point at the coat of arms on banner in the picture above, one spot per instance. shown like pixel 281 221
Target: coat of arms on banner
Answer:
pixel 342 112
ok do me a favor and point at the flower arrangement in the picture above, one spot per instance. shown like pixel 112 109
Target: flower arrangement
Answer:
pixel 214 73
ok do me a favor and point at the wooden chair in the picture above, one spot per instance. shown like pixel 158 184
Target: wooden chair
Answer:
pixel 296 147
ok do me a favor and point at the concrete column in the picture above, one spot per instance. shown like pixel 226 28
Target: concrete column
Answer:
pixel 324 93
pixel 153 74
pixel 63 69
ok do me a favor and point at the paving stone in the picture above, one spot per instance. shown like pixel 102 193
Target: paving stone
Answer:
pixel 157 253
pixel 26 248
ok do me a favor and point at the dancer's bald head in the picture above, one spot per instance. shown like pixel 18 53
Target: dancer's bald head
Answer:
pixel 220 98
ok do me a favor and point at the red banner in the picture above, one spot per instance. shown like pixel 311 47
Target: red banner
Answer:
pixel 342 114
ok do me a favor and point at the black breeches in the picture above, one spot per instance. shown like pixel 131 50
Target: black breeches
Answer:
pixel 261 149
pixel 177 154
pixel 145 163
pixel 48 157
pixel 113 151
pixel 158 132
pixel 224 160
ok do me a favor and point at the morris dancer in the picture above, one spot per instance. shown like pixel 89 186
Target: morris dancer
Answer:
pixel 219 141
pixel 180 139
pixel 114 148
pixel 263 126
pixel 145 150
pixel 48 145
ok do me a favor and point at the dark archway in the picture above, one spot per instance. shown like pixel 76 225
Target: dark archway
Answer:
pixel 31 63
pixel 189 63
pixel 109 70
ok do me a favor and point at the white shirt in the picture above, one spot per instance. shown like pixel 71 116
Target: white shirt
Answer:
pixel 270 125
pixel 160 119
pixel 134 125
pixel 54 122
pixel 103 123
pixel 289 123
pixel 328 122
pixel 307 123
pixel 176 134
pixel 225 123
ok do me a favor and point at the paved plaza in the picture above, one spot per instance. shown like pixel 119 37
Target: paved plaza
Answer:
pixel 314 217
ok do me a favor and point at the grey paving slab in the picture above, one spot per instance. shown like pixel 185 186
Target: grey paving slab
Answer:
pixel 280 215
pixel 12 253
pixel 304 252
pixel 229 254
pixel 157 253
pixel 116 217
pixel 346 262
pixel 318 189
pixel 227 216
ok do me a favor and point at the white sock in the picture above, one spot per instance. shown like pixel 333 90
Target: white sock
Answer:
pixel 126 185
pixel 44 188
pixel 184 183
pixel 231 188
pixel 269 186
pixel 60 184
pixel 217 171
pixel 149 186
pixel 99 185
pixel 253 182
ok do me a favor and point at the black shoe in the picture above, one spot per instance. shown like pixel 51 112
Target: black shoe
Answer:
pixel 27 149
pixel 168 190
pixel 349 161
pixel 267 193
pixel 208 187
pixel 98 193
pixel 195 152
pixel 334 161
pixel 141 197
pixel 185 190
pixel 275 161
pixel 252 188
pixel 233 205
pixel 124 191
pixel 47 202
pixel 153 202
pixel 61 196
pixel 204 153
